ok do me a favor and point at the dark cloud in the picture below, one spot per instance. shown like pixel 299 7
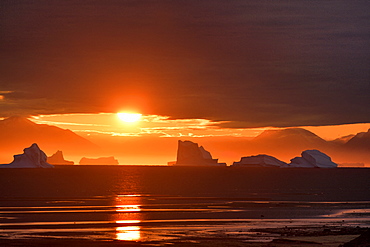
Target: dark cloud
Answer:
pixel 255 63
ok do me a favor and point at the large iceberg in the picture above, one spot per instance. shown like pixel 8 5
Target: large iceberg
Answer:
pixel 190 154
pixel 261 160
pixel 312 159
pixel 32 157
pixel 58 159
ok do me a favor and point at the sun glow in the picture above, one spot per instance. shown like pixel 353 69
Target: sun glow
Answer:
pixel 129 117
pixel 128 233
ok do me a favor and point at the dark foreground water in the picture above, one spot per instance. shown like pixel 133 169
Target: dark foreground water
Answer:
pixel 163 203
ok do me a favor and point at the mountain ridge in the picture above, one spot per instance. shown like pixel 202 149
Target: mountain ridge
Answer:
pixel 359 141
pixel 17 133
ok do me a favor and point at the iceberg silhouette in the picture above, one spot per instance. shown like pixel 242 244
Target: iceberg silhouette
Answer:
pixel 261 160
pixel 99 161
pixel 58 159
pixel 190 154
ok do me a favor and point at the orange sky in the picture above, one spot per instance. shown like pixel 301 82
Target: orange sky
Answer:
pixel 139 142
pixel 163 126
pixel 213 71
pixel 248 63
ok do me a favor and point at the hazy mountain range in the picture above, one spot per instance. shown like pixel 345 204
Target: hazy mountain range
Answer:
pixel 288 142
pixel 17 133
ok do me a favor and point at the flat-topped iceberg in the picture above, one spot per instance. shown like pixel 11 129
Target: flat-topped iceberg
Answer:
pixel 99 161
pixel 261 160
pixel 312 159
pixel 190 154
pixel 32 157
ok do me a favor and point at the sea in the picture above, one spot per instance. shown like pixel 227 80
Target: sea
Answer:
pixel 163 203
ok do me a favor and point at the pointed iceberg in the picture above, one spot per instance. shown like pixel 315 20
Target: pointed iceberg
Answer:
pixel 58 159
pixel 32 157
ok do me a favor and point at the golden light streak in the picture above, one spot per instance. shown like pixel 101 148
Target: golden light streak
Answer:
pixel 128 221
pixel 128 208
pixel 108 124
pixel 129 117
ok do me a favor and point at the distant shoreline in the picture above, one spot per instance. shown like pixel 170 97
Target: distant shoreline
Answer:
pixel 307 236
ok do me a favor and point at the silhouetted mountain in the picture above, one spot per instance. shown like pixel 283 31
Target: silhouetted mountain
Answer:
pixel 361 141
pixel 290 135
pixel 342 140
pixel 18 132
pixel 283 143
pixel 293 138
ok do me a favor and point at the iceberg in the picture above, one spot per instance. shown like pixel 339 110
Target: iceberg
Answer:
pixel 32 157
pixel 99 161
pixel 261 160
pixel 190 154
pixel 312 159
pixel 308 159
pixel 58 159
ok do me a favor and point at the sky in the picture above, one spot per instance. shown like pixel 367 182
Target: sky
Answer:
pixel 110 124
pixel 209 71
pixel 152 139
pixel 244 63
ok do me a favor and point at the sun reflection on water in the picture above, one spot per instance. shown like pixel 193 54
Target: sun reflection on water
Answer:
pixel 127 215
pixel 128 233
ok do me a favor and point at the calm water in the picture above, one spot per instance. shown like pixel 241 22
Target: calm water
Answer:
pixel 158 203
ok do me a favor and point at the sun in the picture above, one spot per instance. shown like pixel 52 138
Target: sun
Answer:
pixel 129 117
